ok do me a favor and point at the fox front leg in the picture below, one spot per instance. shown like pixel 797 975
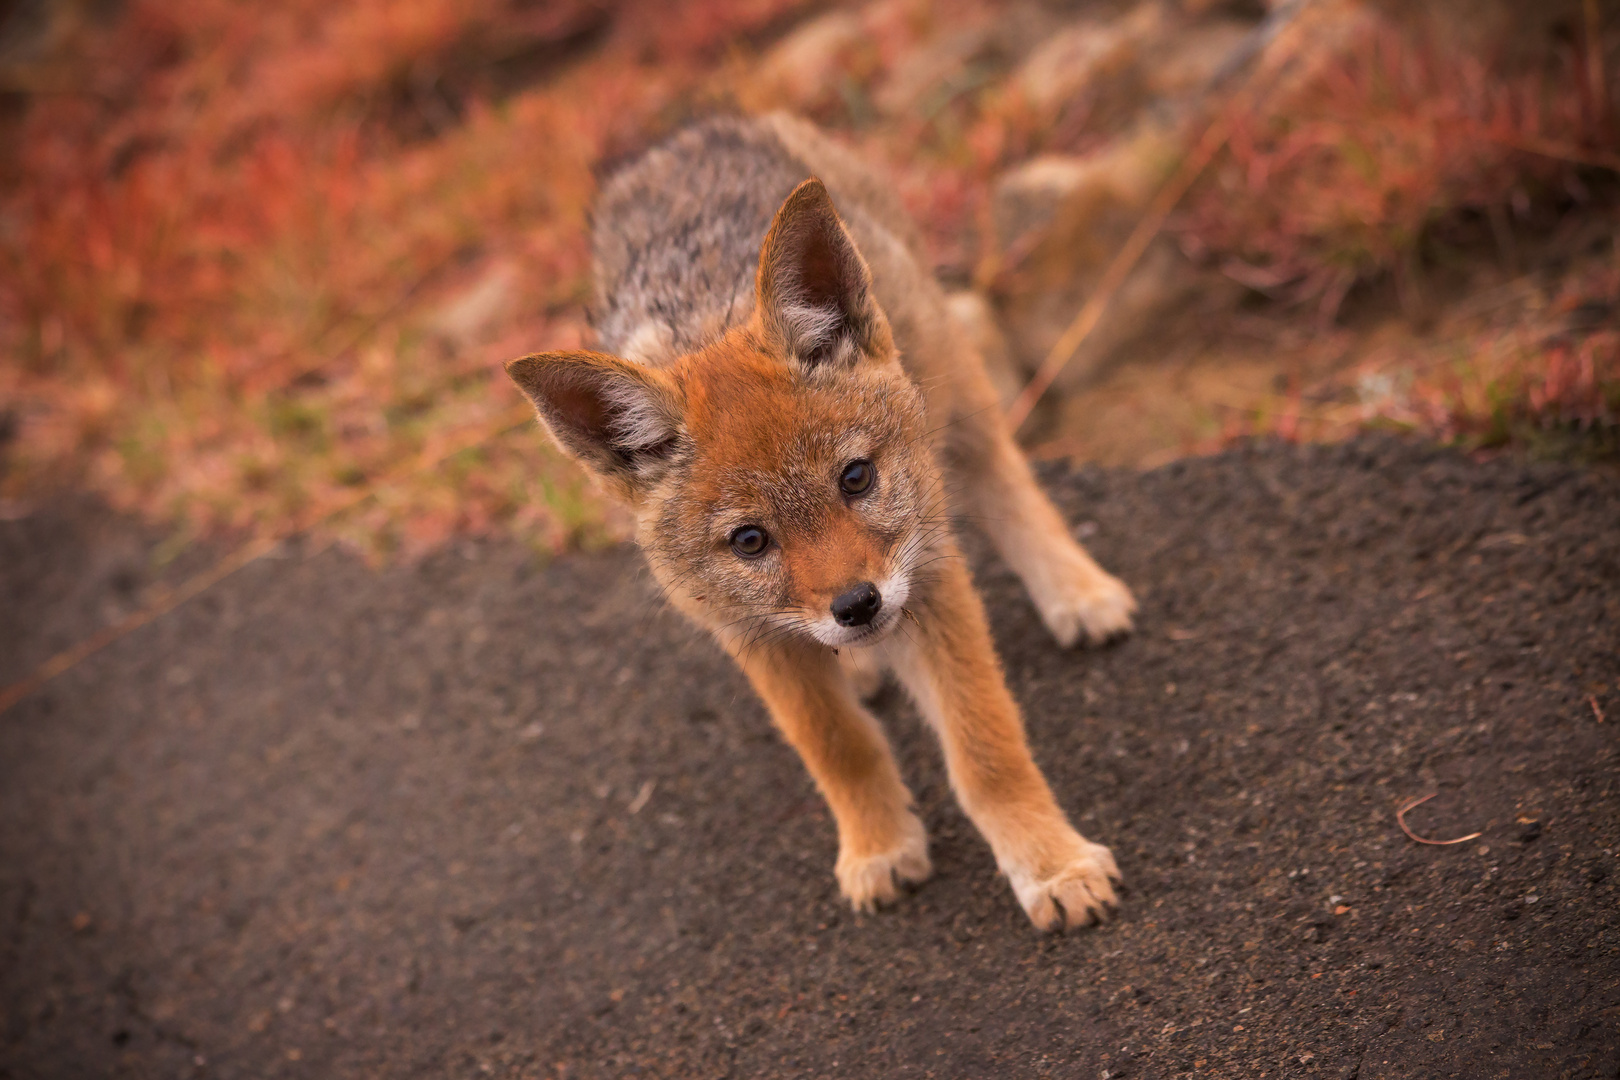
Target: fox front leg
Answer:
pixel 882 845
pixel 948 663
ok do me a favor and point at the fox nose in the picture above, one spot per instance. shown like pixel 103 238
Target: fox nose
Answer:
pixel 858 606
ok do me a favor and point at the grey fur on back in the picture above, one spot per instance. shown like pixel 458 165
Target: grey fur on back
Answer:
pixel 676 236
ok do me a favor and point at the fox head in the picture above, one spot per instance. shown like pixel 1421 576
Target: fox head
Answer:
pixel 780 475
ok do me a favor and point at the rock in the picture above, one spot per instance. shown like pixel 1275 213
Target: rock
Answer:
pixel 1026 198
pixel 805 69
pixel 1144 306
pixel 1087 57
pixel 1192 58
pixel 1058 222
pixel 1111 183
pixel 959 59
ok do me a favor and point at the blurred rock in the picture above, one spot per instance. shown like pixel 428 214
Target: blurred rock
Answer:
pixel 1095 193
pixel 1026 197
pixel 977 319
pixel 961 58
pixel 1088 58
pixel 1145 306
pixel 1058 220
pixel 1058 223
pixel 1190 59
pixel 805 69
pixel 931 67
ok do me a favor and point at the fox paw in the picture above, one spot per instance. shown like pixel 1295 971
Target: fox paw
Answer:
pixel 870 880
pixel 1098 611
pixel 1080 894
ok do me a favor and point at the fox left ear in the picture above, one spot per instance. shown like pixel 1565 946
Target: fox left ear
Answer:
pixel 814 291
pixel 621 419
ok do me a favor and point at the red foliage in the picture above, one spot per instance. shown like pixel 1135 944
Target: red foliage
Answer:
pixel 1339 180
pixel 261 256
pixel 219 261
pixel 1553 374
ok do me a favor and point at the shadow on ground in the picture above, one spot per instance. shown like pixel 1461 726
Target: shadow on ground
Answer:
pixel 478 818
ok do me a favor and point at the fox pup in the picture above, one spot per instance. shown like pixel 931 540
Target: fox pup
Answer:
pixel 783 402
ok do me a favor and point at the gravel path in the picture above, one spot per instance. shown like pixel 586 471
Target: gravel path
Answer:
pixel 479 817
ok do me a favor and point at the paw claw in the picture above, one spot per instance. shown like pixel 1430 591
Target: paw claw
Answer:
pixel 1099 611
pixel 1080 894
pixel 868 881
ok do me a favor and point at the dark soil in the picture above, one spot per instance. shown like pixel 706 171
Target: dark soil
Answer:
pixel 478 817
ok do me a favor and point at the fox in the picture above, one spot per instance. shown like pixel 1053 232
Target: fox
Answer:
pixel 779 395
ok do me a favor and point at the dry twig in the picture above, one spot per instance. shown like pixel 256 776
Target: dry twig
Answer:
pixel 1091 313
pixel 1400 819
pixel 1147 229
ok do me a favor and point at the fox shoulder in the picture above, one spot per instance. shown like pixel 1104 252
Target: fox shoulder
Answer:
pixel 676 233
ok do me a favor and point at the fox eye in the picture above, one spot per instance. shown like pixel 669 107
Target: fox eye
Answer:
pixel 749 541
pixel 857 477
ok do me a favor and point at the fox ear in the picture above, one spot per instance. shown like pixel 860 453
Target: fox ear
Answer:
pixel 622 419
pixel 814 291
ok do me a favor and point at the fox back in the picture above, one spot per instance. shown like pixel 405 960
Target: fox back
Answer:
pixel 676 234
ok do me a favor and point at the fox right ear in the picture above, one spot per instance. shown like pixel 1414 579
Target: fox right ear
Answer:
pixel 622 419
pixel 813 290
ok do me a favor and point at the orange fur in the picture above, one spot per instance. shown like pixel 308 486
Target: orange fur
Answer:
pixel 735 422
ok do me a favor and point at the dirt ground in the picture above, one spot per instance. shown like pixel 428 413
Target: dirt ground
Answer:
pixel 479 817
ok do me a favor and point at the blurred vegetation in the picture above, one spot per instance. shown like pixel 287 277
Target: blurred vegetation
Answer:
pixel 256 258
pixel 254 253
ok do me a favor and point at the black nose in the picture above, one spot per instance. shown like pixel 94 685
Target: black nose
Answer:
pixel 857 606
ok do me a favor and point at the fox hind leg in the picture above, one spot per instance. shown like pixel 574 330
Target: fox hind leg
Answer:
pixel 993 483
pixel 1077 598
